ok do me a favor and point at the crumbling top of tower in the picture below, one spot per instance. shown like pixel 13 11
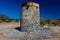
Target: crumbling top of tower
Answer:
pixel 30 4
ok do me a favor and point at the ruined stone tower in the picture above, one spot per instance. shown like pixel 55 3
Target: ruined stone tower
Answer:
pixel 30 17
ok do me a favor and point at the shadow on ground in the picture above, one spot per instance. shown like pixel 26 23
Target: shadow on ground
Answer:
pixel 18 28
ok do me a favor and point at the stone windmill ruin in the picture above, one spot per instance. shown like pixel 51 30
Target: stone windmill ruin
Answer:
pixel 30 24
pixel 30 17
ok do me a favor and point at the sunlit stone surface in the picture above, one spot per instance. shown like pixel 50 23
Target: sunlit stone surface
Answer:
pixel 30 26
pixel 30 17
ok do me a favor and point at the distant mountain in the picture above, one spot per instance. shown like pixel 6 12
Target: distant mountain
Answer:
pixel 2 16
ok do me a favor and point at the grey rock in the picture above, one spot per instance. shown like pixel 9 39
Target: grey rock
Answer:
pixel 31 35
pixel 30 18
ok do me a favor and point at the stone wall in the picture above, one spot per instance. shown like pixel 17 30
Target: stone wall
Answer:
pixel 30 18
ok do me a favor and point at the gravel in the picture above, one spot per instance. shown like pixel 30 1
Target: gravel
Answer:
pixel 45 33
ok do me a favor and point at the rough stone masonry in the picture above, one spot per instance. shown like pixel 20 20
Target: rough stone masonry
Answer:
pixel 30 17
pixel 30 26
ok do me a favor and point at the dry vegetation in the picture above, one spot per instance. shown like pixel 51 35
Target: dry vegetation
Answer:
pixel 50 22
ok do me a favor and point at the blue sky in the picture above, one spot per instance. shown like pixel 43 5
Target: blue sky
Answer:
pixel 48 8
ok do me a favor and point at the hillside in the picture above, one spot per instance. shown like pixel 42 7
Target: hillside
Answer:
pixel 4 18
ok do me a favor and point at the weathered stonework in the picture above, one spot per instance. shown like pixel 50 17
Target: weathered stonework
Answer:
pixel 30 17
pixel 30 25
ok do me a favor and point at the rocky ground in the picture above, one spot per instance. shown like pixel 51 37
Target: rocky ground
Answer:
pixel 39 34
pixel 13 34
pixel 3 37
